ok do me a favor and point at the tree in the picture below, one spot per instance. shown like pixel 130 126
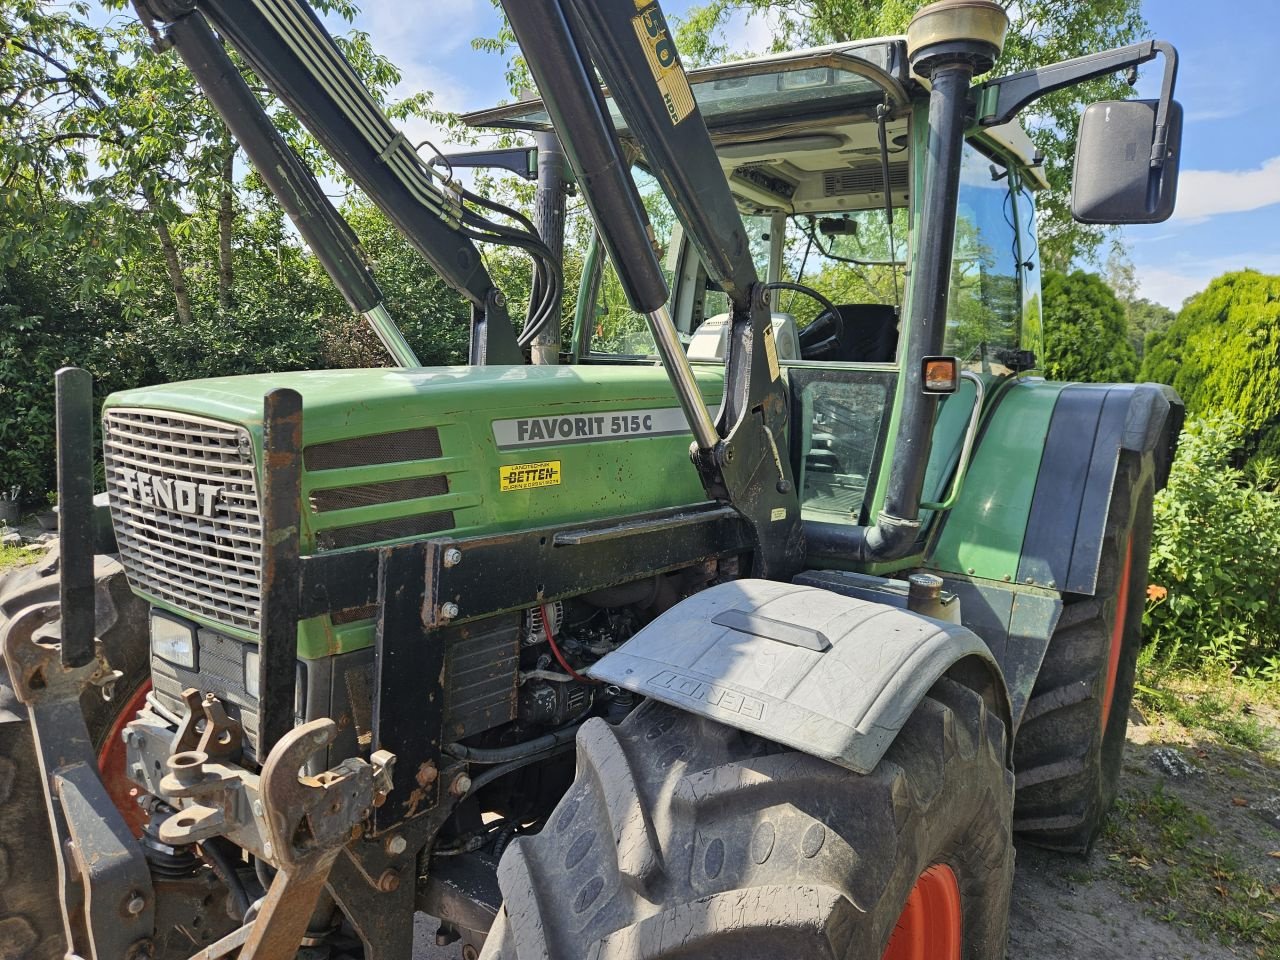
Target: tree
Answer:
pixel 1222 354
pixel 1084 330
pixel 1143 318
pixel 101 112
pixel 1041 32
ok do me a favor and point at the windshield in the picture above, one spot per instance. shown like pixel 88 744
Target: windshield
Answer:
pixel 846 257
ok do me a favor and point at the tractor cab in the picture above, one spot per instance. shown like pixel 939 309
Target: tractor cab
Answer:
pixel 819 148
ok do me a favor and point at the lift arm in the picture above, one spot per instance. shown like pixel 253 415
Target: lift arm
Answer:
pixel 740 455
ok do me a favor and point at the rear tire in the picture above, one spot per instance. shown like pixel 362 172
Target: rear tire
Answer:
pixel 1070 745
pixel 30 915
pixel 684 838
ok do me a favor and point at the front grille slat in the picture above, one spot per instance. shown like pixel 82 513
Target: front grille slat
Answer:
pixel 208 565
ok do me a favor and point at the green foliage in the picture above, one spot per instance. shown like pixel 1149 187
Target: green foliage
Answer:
pixel 1222 354
pixel 48 320
pixel 1084 330
pixel 1216 551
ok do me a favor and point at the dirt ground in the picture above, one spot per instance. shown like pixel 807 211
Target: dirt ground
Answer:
pixel 1188 867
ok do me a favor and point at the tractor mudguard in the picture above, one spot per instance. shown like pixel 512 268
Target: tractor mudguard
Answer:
pixel 1035 500
pixel 1091 425
pixel 830 675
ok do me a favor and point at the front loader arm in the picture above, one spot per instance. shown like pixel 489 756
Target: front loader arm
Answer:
pixel 740 456
pixel 291 52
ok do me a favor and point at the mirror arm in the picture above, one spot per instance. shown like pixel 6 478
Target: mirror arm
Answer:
pixel 522 161
pixel 1003 99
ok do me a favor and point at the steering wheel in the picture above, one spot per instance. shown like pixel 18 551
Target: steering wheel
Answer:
pixel 830 317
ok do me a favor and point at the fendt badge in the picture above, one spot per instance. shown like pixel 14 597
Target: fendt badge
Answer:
pixel 182 496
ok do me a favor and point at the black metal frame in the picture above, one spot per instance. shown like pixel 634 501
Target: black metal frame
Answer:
pixel 423 586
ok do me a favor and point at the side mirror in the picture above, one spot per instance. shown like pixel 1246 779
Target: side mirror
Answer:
pixel 1126 168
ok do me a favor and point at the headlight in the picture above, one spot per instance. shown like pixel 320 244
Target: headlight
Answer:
pixel 173 639
pixel 251 661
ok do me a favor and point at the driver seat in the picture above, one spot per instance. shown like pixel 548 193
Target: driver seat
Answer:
pixel 869 335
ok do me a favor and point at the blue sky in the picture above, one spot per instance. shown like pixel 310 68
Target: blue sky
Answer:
pixel 1228 213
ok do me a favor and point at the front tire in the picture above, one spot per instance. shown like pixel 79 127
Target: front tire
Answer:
pixel 684 838
pixel 30 915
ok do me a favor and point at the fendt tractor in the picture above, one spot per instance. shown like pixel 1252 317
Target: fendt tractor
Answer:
pixel 754 622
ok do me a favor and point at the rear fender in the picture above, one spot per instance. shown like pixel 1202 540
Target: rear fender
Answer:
pixel 829 675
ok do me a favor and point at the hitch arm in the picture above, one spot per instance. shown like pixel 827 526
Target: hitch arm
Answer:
pixel 108 906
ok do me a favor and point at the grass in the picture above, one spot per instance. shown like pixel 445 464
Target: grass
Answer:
pixel 1185 863
pixel 1215 703
pixel 1161 849
pixel 14 557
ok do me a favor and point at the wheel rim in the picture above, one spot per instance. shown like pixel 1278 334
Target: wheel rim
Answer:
pixel 111 763
pixel 931 923
pixel 1117 635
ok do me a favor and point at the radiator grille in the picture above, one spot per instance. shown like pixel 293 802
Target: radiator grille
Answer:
pixel 386 491
pixel 378 530
pixel 184 503
pixel 422 443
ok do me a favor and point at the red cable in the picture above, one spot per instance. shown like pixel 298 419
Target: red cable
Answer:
pixel 546 628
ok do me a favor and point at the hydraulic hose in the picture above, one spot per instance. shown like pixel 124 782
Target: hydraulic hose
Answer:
pixel 517 751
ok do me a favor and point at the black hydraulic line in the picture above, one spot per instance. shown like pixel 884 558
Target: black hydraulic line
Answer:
pixel 220 859
pixel 632 47
pixel 894 533
pixel 486 778
pixel 517 751
pixel 326 232
pixel 73 389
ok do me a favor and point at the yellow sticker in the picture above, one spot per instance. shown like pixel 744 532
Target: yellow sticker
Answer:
pixel 664 62
pixel 771 353
pixel 526 476
pixel 777 513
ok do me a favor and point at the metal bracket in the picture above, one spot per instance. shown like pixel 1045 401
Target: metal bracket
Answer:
pixel 108 906
pixel 309 821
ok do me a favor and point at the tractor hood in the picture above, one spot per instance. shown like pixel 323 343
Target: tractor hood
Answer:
pixel 388 455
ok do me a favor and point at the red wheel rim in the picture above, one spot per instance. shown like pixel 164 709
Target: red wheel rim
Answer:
pixel 1117 635
pixel 111 763
pixel 931 924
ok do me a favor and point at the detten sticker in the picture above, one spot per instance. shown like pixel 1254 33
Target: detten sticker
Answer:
pixel 527 476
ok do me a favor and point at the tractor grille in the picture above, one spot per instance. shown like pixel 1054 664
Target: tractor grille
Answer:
pixel 184 503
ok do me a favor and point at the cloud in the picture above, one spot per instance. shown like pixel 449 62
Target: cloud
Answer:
pixel 1206 193
pixel 747 34
pixel 1172 284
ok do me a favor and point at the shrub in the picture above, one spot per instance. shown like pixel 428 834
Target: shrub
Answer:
pixel 1222 354
pixel 1216 551
pixel 1085 336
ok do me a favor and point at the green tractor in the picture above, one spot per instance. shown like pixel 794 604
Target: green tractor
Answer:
pixel 753 622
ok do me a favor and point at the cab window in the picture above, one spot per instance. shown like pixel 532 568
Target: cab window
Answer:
pixel 617 328
pixel 985 305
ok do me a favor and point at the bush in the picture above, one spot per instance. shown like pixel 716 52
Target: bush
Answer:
pixel 1216 551
pixel 1222 354
pixel 1085 334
